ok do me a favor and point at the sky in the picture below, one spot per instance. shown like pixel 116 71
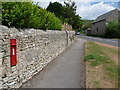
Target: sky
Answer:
pixel 89 9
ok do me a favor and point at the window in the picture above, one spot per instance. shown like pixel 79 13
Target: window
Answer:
pixel 97 29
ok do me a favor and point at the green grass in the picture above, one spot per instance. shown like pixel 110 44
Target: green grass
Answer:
pixel 96 84
pixel 113 71
pixel 97 55
pixel 95 59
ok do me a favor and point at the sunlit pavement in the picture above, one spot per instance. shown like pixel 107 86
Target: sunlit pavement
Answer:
pixel 66 71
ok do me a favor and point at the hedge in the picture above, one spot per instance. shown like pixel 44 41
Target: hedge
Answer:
pixel 28 15
pixel 113 30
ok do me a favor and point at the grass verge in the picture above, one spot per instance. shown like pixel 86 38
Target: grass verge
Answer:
pixel 101 66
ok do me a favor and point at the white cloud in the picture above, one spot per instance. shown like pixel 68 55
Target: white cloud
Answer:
pixel 45 3
pixel 84 9
pixel 79 0
pixel 88 11
pixel 96 0
pixel 113 3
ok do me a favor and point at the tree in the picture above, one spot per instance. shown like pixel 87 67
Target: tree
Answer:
pixel 70 4
pixel 113 29
pixel 66 13
pixel 70 14
pixel 77 24
pixel 55 8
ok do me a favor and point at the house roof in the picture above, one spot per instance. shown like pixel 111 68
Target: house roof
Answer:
pixel 109 16
pixel 99 21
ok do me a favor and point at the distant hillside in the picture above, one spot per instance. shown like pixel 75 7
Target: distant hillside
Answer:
pixel 87 24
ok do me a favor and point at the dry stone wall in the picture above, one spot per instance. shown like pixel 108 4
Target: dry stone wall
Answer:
pixel 35 49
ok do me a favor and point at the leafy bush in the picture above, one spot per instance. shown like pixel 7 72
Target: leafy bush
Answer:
pixel 28 15
pixel 53 23
pixel 113 30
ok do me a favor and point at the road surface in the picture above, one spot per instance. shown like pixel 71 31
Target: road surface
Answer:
pixel 113 42
pixel 66 71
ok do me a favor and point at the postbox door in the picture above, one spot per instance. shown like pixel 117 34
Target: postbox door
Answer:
pixel 13 57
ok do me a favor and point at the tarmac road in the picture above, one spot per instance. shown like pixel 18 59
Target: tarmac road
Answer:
pixel 66 71
pixel 113 42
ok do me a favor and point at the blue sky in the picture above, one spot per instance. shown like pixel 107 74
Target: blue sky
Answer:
pixel 114 4
pixel 89 9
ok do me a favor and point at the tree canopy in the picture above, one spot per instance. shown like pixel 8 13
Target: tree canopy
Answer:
pixel 55 8
pixel 29 15
pixel 66 13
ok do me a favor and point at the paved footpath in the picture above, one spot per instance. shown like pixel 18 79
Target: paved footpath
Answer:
pixel 66 71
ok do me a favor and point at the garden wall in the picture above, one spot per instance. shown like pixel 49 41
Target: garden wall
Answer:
pixel 35 49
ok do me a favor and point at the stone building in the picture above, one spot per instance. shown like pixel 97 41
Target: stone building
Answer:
pixel 99 25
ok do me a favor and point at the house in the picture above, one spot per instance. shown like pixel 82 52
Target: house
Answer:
pixel 99 25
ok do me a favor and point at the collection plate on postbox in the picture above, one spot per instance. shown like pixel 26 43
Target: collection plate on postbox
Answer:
pixel 13 56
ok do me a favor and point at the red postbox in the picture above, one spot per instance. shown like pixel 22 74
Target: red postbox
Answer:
pixel 13 57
